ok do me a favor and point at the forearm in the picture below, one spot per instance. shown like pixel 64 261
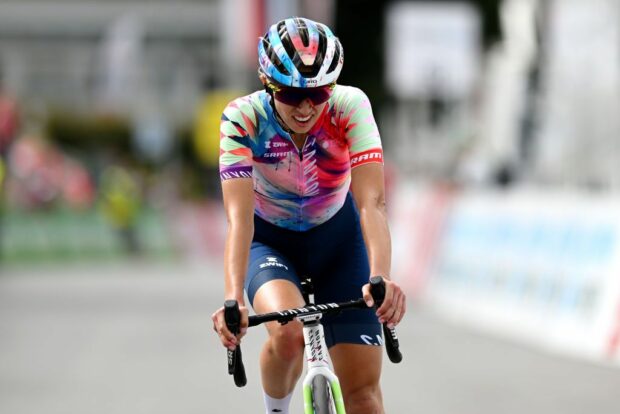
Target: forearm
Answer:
pixel 236 255
pixel 377 237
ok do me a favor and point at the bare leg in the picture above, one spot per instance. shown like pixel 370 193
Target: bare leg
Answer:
pixel 281 357
pixel 359 369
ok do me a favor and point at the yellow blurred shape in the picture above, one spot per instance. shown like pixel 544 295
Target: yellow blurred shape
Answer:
pixel 207 125
pixel 120 197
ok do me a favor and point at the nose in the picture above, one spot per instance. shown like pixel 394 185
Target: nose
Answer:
pixel 305 106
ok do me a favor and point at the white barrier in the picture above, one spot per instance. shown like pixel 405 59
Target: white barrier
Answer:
pixel 539 267
pixel 417 214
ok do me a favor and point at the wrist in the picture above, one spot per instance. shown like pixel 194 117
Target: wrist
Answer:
pixel 380 274
pixel 238 296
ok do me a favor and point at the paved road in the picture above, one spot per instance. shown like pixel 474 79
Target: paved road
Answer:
pixel 136 339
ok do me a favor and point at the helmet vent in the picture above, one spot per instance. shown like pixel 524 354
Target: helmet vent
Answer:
pixel 335 59
pixel 273 57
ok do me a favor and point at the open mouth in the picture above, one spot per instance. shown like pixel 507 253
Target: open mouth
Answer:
pixel 302 119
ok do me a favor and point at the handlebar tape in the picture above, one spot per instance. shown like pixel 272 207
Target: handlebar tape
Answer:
pixel 377 290
pixel 232 316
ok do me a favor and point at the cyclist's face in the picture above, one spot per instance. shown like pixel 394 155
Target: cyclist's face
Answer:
pixel 300 118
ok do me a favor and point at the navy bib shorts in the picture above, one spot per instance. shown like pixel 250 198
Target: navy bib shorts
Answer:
pixel 333 255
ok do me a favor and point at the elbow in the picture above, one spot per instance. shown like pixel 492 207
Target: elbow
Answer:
pixel 245 222
pixel 240 221
pixel 381 204
pixel 374 204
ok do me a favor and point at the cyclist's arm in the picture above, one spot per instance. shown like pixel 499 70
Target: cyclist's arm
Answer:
pixel 367 186
pixel 239 206
pixel 368 190
pixel 238 192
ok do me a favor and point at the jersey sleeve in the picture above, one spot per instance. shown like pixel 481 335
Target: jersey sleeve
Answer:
pixel 361 130
pixel 237 127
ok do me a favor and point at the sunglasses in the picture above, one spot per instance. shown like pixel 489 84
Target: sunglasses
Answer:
pixel 295 96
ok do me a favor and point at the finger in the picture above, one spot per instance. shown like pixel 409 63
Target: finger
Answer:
pixel 227 337
pixel 229 342
pixel 384 309
pixel 395 314
pixel 387 302
pixel 243 328
pixel 217 324
pixel 392 325
pixel 367 295
pixel 403 307
pixel 398 311
pixel 245 319
pixel 390 317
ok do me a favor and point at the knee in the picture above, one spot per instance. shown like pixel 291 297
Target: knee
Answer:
pixel 364 400
pixel 287 341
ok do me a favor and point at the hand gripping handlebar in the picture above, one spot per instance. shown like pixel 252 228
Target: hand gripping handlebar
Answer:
pixel 377 290
pixel 232 316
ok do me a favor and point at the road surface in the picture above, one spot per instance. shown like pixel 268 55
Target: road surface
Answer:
pixel 136 338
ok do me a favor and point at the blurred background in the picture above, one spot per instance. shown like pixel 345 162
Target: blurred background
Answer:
pixel 500 123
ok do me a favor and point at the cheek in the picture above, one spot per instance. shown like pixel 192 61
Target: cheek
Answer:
pixel 283 109
pixel 319 109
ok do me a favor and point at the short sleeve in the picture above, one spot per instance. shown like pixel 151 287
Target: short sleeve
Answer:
pixel 236 128
pixel 361 129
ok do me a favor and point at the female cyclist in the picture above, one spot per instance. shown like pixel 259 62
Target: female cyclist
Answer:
pixel 302 178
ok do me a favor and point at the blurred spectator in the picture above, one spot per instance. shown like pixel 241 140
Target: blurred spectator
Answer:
pixel 9 119
pixel 2 175
pixel 78 189
pixel 42 176
pixel 8 129
pixel 120 203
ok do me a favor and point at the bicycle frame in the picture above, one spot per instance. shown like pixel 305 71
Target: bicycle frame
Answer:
pixel 317 358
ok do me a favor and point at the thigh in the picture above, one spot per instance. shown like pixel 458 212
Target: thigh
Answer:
pixel 267 264
pixel 277 295
pixel 272 285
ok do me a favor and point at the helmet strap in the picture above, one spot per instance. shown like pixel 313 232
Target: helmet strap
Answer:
pixel 280 121
pixel 275 112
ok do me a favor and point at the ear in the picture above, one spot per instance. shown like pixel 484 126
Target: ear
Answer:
pixel 263 78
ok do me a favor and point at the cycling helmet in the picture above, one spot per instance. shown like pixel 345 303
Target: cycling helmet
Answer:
pixel 300 53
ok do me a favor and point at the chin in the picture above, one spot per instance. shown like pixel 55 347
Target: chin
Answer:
pixel 301 131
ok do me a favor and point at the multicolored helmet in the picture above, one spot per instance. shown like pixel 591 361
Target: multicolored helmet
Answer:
pixel 300 53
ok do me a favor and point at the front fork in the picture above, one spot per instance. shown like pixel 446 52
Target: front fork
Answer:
pixel 317 357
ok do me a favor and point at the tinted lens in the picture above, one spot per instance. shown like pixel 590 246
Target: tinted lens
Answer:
pixel 295 96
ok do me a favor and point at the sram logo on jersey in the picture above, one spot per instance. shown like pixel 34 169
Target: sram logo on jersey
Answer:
pixel 367 156
pixel 272 262
pixel 280 154
pixel 276 149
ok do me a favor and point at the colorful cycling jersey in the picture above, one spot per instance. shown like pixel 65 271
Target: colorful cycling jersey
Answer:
pixel 298 189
